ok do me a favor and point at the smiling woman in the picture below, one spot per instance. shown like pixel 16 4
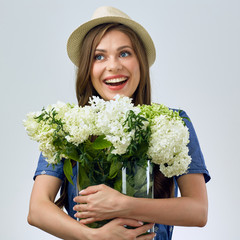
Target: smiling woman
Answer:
pixel 113 54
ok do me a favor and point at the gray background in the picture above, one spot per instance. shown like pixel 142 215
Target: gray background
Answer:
pixel 197 69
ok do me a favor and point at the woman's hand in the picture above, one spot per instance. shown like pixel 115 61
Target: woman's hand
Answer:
pixel 116 230
pixel 98 203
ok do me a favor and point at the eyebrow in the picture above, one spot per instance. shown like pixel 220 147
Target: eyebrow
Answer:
pixel 118 49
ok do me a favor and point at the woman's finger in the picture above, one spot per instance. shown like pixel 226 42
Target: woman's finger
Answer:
pixel 83 207
pixel 88 220
pixel 92 189
pixel 81 199
pixel 143 229
pixel 140 228
pixel 149 236
pixel 84 215
pixel 128 222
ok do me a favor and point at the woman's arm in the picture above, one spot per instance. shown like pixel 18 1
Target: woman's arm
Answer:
pixel 44 214
pixel 188 210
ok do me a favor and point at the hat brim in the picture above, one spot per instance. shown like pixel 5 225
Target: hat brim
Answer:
pixel 75 39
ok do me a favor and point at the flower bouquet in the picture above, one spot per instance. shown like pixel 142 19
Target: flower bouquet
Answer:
pixel 113 142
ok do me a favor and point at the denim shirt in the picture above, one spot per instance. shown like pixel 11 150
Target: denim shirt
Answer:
pixel 164 232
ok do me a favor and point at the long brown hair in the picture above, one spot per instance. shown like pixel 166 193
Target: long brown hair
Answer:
pixel 84 89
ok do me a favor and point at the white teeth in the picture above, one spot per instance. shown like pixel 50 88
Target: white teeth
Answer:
pixel 116 80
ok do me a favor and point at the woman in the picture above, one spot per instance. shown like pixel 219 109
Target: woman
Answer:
pixel 113 55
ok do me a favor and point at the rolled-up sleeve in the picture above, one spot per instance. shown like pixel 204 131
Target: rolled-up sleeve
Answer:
pixel 197 164
pixel 44 169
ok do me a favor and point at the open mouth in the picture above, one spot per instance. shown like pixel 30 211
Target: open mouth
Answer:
pixel 116 81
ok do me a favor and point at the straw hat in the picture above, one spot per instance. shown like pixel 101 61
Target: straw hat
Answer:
pixel 108 15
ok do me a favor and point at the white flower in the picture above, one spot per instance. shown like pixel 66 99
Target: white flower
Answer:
pixel 168 145
pixel 79 123
pixel 60 107
pixel 42 131
pixel 31 125
pixel 179 166
pixel 110 118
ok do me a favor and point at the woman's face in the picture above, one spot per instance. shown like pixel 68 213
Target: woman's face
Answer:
pixel 115 68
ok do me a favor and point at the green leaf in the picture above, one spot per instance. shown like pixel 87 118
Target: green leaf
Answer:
pixel 130 189
pixel 118 184
pixel 71 152
pixel 114 169
pixel 142 192
pixel 67 169
pixel 140 177
pixel 101 143
pixel 141 151
pixel 83 178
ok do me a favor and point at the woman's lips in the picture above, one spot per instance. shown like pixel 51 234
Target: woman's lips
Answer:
pixel 116 82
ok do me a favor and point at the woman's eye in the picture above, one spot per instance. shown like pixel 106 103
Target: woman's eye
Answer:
pixel 125 54
pixel 99 57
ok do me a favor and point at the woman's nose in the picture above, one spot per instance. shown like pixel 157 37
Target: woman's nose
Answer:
pixel 113 64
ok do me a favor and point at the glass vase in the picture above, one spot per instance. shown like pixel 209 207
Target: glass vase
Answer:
pixel 138 181
pixel 134 179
